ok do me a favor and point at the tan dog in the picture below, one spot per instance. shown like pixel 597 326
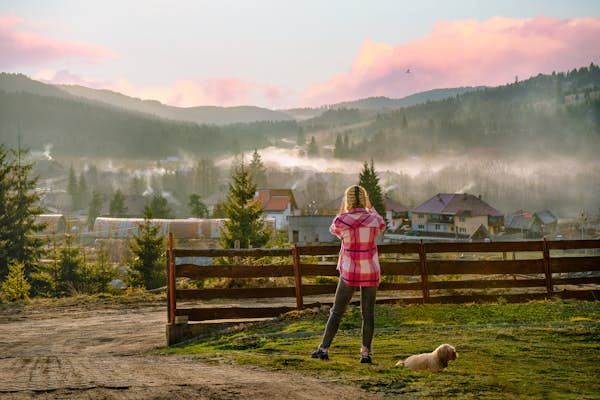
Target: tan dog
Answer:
pixel 435 361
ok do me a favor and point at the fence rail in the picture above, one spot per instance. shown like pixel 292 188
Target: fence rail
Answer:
pixel 427 267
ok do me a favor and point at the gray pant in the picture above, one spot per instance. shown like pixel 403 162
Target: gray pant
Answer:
pixel 343 295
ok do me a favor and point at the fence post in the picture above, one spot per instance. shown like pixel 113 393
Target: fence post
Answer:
pixel 423 260
pixel 547 272
pixel 171 286
pixel 298 276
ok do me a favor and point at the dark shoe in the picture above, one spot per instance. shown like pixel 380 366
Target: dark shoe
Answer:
pixel 365 359
pixel 319 353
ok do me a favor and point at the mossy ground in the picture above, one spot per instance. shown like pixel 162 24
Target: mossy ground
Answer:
pixel 521 351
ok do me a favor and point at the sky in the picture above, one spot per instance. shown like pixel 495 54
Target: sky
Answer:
pixel 284 54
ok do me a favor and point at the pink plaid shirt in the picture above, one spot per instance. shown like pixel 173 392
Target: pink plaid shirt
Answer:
pixel 358 262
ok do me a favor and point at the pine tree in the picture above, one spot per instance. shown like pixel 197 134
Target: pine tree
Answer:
pixel 159 206
pixel 147 247
pixel 73 190
pixel 117 206
pixel 197 208
pixel 370 181
pixel 94 209
pixel 245 218
pixel 313 150
pixel 257 170
pixel 82 187
pixel 338 151
pixel 15 286
pixel 18 242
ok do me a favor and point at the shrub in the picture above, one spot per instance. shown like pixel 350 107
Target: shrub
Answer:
pixel 15 286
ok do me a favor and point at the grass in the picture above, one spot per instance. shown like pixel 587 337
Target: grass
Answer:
pixel 506 351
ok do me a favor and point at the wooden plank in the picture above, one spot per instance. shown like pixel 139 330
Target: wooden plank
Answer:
pixel 517 298
pixel 424 268
pixel 319 250
pixel 232 252
pixel 205 314
pixel 486 267
pixel 400 286
pixel 236 293
pixel 574 264
pixel 487 284
pixel 491 247
pixel 172 284
pixel 297 277
pixel 409 268
pixel 232 271
pixel 547 273
pixel 399 248
pixel 578 281
pixel 319 270
pixel 573 244
pixel 315 290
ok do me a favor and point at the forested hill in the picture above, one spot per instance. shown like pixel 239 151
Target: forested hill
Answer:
pixel 80 128
pixel 546 114
pixel 200 115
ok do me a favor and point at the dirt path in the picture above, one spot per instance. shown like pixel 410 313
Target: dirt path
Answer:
pixel 102 353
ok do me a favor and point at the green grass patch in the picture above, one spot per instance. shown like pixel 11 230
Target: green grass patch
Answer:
pixel 521 351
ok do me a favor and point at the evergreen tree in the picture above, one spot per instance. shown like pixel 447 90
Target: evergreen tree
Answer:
pixel 15 286
pixel 63 278
pixel 313 150
pixel 94 209
pixel 117 206
pixel 147 246
pixel 257 170
pixel 197 208
pixel 159 206
pixel 205 177
pixel 245 218
pixel 137 186
pixel 73 190
pixel 338 151
pixel 82 187
pixel 18 242
pixel 370 181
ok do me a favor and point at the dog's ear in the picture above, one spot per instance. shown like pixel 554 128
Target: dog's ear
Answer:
pixel 453 353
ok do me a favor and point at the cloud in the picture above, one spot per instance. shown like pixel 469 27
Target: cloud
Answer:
pixel 220 91
pixel 20 48
pixel 464 53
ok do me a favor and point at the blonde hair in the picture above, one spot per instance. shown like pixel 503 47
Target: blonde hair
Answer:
pixel 355 197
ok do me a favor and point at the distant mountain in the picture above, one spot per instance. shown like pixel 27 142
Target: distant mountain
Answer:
pixel 14 83
pixel 386 103
pixel 200 115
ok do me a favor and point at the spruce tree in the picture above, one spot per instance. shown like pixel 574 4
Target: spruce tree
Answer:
pixel 257 170
pixel 370 181
pixel 69 262
pixel 313 149
pixel 245 218
pixel 18 240
pixel 117 206
pixel 16 287
pixel 94 209
pixel 197 208
pixel 73 190
pixel 338 151
pixel 82 187
pixel 147 246
pixel 159 207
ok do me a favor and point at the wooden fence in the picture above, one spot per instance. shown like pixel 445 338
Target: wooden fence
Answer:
pixel 426 273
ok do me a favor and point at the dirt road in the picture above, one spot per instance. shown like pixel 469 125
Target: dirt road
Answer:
pixel 101 352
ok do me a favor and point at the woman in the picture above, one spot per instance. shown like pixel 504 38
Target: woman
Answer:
pixel 358 226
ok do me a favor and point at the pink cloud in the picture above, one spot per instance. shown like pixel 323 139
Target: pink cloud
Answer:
pixel 19 48
pixel 221 91
pixel 464 53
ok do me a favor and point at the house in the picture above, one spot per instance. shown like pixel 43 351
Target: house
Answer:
pixel 455 215
pixel 310 229
pixel 278 204
pixel 527 225
pixel 395 214
pixel 548 219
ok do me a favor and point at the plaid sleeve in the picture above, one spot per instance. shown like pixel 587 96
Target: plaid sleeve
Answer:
pixel 337 227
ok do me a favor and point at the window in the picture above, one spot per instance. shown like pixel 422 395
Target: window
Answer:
pixel 421 216
pixel 437 227
pixel 461 219
pixel 421 226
